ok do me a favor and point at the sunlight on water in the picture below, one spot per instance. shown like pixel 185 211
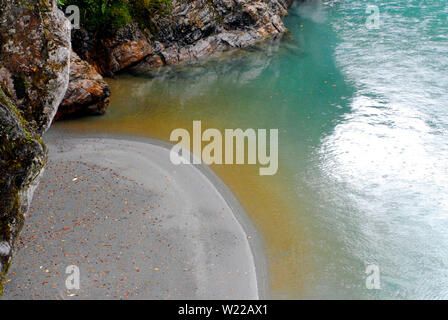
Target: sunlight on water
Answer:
pixel 363 129
pixel 390 152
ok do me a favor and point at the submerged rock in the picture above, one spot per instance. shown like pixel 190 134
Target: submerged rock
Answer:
pixel 34 73
pixel 87 93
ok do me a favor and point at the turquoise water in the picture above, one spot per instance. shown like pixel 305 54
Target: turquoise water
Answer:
pixel 381 173
pixel 363 121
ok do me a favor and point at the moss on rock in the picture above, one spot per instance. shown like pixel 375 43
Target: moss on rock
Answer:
pixel 22 157
pixel 34 73
pixel 110 15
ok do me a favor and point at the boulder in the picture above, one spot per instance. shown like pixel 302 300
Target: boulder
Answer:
pixel 87 93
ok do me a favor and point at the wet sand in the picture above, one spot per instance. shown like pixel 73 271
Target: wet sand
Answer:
pixel 137 227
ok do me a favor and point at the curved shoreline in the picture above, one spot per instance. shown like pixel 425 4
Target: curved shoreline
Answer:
pixel 248 248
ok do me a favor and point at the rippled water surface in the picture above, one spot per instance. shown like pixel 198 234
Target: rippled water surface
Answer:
pixel 363 121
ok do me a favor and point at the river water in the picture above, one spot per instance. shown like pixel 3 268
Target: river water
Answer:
pixel 362 115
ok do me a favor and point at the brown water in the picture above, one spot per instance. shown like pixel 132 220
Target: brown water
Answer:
pixel 270 205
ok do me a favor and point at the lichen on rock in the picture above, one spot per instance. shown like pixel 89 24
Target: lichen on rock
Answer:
pixel 22 157
pixel 34 74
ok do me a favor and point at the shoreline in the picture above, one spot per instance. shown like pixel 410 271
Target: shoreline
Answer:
pixel 248 253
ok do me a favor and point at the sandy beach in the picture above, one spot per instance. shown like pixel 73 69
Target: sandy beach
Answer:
pixel 136 226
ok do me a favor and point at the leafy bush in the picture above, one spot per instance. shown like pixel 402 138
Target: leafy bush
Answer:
pixel 103 15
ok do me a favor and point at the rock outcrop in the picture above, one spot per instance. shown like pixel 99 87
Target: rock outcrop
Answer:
pixel 112 52
pixel 191 30
pixel 198 28
pixel 87 93
pixel 34 74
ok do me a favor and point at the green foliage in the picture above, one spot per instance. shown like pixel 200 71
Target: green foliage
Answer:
pixel 109 15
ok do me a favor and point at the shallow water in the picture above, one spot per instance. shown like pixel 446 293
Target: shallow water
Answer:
pixel 363 126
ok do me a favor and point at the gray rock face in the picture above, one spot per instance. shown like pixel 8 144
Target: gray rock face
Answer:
pixel 34 73
pixel 35 44
pixel 247 20
pixel 198 28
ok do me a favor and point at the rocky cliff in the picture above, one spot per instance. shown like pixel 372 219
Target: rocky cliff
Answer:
pixel 34 74
pixel 198 28
pixel 188 31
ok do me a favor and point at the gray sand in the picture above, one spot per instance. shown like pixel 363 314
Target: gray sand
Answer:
pixel 137 227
